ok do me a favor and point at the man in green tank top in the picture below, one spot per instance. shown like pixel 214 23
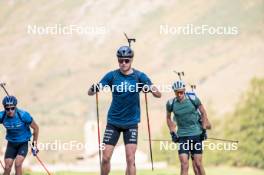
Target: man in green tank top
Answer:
pixel 191 120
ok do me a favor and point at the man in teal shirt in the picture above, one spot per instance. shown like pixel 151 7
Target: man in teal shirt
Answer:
pixel 191 119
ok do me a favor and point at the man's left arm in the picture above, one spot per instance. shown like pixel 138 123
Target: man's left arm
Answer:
pixel 149 86
pixel 205 122
pixel 155 91
pixel 35 128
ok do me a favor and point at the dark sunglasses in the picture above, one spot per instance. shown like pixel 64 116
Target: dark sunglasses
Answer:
pixel 123 60
pixel 180 92
pixel 10 109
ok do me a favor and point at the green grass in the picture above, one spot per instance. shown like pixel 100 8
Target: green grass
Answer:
pixel 175 171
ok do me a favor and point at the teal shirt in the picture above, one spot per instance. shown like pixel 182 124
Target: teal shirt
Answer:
pixel 186 116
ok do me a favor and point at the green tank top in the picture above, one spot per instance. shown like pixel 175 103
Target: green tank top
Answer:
pixel 186 115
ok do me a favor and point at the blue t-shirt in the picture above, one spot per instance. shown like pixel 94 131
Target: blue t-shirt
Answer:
pixel 17 128
pixel 125 107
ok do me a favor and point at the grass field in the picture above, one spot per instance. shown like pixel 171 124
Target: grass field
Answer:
pixel 174 171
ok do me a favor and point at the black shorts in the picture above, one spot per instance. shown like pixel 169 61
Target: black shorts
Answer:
pixel 14 149
pixel 190 145
pixel 112 134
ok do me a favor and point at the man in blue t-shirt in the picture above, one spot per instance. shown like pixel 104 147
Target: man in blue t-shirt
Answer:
pixel 17 123
pixel 124 113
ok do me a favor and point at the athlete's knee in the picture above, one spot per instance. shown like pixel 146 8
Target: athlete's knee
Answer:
pixel 184 165
pixel 8 168
pixel 106 159
pixel 198 164
pixel 18 165
pixel 130 160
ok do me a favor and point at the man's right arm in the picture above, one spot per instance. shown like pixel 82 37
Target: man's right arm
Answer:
pixel 172 128
pixel 106 80
pixel 93 89
pixel 170 123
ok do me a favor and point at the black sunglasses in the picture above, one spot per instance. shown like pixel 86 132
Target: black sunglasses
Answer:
pixel 10 109
pixel 179 92
pixel 123 60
